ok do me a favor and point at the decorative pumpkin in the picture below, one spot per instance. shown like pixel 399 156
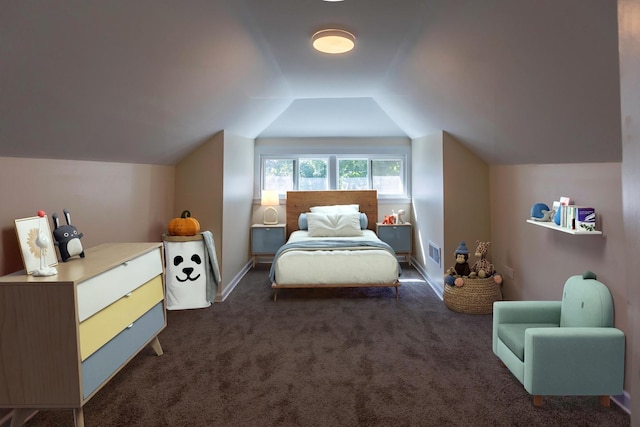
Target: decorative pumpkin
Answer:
pixel 184 226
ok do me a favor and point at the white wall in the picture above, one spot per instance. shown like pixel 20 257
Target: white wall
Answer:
pixel 428 203
pixel 236 203
pixel 629 41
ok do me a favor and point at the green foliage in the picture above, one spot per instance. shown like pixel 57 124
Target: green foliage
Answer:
pixel 313 168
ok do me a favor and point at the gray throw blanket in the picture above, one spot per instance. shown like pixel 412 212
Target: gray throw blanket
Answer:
pixel 329 244
pixel 211 266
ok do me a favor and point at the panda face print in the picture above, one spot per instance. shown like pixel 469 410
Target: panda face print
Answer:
pixel 185 268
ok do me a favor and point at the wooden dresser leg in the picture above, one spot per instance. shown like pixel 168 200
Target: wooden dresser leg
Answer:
pixel 155 345
pixel 19 416
pixel 537 400
pixel 78 417
pixel 605 401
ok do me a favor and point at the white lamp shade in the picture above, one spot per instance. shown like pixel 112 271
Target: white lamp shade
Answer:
pixel 270 199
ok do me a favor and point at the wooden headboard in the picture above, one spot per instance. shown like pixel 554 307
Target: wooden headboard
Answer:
pixel 300 201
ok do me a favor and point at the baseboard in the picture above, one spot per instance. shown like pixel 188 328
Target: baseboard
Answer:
pixel 427 278
pixel 234 282
pixel 624 401
pixel 5 418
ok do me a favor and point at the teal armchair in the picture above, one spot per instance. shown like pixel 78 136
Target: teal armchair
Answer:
pixel 561 348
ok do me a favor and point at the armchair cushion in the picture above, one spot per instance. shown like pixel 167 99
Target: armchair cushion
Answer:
pixel 586 303
pixel 512 335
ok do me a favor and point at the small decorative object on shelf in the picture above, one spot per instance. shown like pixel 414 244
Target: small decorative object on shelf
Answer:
pixel 43 241
pixel 67 237
pixel 541 212
pixel 186 225
pixel 36 245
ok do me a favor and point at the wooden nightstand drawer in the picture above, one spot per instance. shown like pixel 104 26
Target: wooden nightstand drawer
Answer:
pixel 106 324
pixel 102 290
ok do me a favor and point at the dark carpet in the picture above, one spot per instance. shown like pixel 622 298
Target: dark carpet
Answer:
pixel 342 357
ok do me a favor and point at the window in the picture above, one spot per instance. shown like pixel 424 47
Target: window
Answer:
pixel 387 174
pixel 313 174
pixel 353 174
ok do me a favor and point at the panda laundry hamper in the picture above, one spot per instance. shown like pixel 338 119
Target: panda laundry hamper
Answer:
pixel 185 272
pixel 475 297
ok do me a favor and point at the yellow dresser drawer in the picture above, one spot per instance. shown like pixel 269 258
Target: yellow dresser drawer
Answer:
pixel 106 288
pixel 98 329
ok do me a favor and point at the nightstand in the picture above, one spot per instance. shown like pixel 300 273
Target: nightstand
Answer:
pixel 267 239
pixel 398 236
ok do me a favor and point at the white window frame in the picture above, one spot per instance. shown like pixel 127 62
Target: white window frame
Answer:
pixel 377 153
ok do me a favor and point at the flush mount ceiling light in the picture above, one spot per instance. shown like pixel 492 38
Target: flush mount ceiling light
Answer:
pixel 333 41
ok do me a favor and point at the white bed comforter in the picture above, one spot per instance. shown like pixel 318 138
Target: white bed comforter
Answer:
pixel 335 267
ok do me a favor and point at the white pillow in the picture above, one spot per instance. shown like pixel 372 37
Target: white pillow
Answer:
pixel 335 209
pixel 334 224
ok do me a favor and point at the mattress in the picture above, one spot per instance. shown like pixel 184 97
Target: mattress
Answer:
pixel 352 266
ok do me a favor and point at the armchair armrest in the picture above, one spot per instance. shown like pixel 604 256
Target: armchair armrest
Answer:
pixel 583 361
pixel 524 312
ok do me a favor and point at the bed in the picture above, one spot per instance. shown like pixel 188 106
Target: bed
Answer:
pixel 311 259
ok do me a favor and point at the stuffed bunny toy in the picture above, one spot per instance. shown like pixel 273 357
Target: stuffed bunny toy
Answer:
pixel 67 238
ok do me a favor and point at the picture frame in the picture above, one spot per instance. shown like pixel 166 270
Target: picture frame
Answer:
pixel 27 230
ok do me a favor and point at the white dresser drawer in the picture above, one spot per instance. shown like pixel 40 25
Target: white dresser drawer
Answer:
pixel 102 290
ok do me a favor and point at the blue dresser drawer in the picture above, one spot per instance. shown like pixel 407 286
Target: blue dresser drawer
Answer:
pixel 111 356
pixel 398 236
pixel 267 240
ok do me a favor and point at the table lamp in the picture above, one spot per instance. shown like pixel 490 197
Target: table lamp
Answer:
pixel 270 199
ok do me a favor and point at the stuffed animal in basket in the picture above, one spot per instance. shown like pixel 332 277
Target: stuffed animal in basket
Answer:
pixel 482 268
pixel 454 274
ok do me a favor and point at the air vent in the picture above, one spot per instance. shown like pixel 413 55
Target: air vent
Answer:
pixel 434 253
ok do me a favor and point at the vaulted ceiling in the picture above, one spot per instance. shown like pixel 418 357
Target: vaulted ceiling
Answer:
pixel 147 81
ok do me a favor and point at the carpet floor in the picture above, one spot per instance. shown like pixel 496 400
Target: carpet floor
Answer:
pixel 341 357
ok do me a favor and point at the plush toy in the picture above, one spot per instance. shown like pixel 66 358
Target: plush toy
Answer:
pixel 389 219
pixel 67 238
pixel 461 269
pixel 482 268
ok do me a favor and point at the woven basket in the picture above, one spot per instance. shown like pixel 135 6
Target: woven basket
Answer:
pixel 475 297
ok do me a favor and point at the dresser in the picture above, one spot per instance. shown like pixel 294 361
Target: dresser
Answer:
pixel 65 336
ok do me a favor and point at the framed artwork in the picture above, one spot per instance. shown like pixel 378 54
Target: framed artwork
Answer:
pixel 28 230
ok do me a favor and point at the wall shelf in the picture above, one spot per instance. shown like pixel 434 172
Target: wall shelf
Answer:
pixel 553 226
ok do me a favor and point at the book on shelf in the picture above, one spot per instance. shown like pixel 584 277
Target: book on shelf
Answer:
pixel 582 218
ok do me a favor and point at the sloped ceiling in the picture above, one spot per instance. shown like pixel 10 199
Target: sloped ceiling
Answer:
pixel 147 81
